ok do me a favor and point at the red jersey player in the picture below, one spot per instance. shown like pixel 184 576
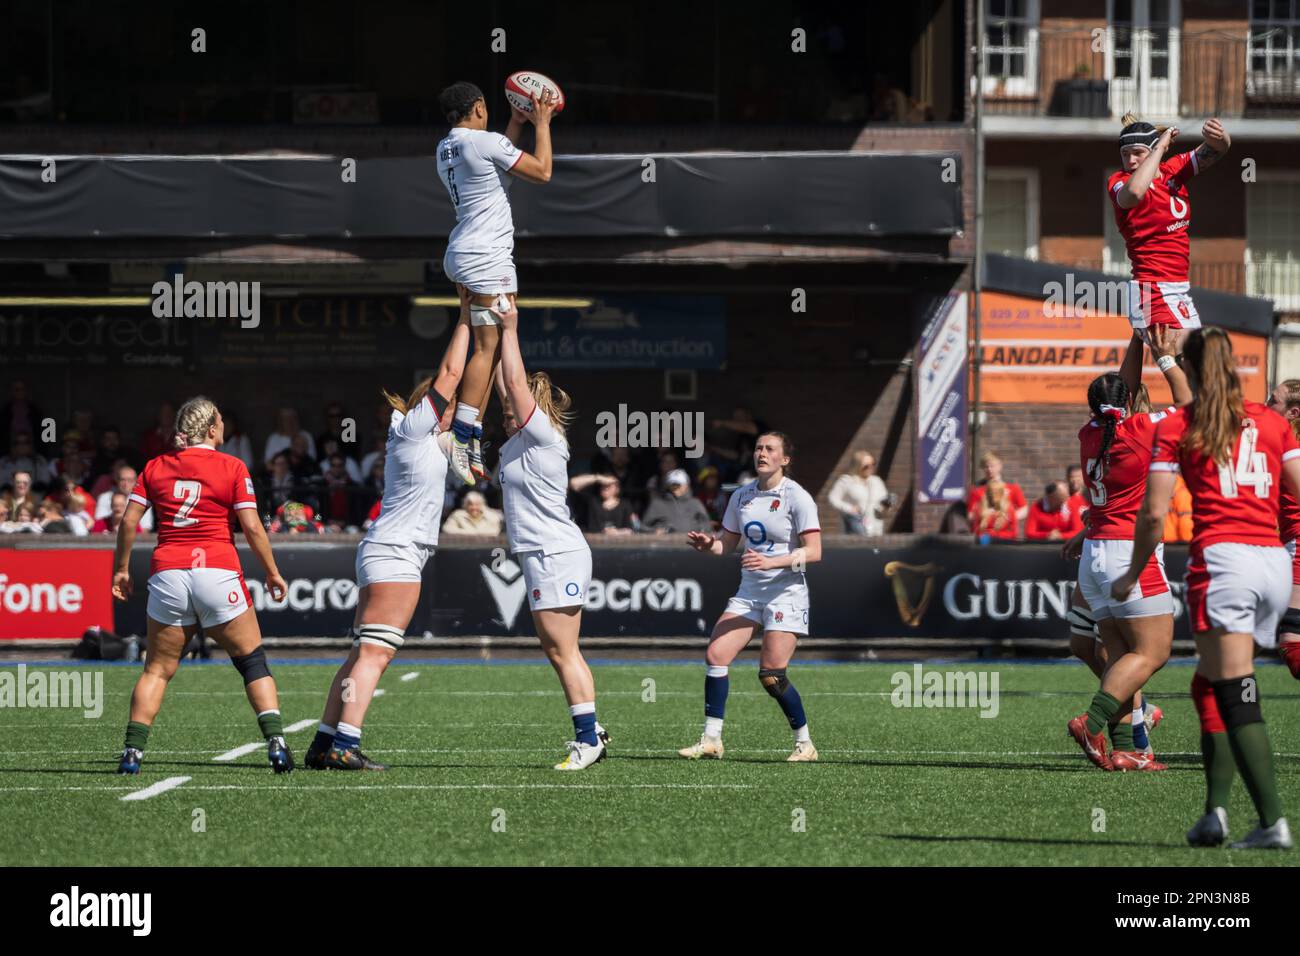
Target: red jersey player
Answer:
pixel 1285 399
pixel 1136 628
pixel 1233 456
pixel 195 576
pixel 1153 213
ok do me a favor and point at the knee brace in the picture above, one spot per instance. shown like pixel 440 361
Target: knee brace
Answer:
pixel 1081 622
pixel 252 666
pixel 381 635
pixel 1238 700
pixel 1290 623
pixel 774 680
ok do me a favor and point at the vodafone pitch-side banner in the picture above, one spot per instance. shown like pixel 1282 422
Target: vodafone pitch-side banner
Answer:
pixel 54 594
pixel 1035 353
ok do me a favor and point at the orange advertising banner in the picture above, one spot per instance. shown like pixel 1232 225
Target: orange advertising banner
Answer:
pixel 1032 358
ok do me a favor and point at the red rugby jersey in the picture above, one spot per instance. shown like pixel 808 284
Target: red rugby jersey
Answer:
pixel 195 493
pixel 1155 230
pixel 1115 499
pixel 1238 501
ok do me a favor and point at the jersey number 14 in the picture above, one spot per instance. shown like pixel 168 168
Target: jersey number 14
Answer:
pixel 1250 470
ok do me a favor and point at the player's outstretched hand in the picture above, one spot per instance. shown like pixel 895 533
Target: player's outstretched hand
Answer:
pixel 275 584
pixel 543 109
pixel 699 540
pixel 1165 340
pixel 122 585
pixel 1214 134
pixel 510 317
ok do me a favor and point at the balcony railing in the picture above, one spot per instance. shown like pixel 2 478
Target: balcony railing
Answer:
pixel 1274 279
pixel 1158 74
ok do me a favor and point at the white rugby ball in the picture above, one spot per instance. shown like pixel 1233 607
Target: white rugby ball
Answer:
pixel 523 82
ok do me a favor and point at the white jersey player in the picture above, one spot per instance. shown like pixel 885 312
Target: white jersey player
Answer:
pixel 776 520
pixel 391 558
pixel 474 164
pixel 555 556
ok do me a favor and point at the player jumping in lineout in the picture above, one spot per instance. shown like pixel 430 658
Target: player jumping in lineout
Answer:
pixel 480 249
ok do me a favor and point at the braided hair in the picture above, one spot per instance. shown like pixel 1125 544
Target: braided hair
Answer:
pixel 1108 396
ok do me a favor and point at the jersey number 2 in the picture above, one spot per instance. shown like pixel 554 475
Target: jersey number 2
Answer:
pixel 187 492
pixel 1251 468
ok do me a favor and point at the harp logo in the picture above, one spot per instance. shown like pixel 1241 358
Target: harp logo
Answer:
pixel 913 589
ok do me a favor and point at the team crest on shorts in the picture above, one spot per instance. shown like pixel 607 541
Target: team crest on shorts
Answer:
pixel 780 616
pixel 1182 310
pixel 537 594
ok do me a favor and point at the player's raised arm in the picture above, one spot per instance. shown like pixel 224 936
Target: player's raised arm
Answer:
pixel 1215 143
pixel 536 166
pixel 453 359
pixel 514 377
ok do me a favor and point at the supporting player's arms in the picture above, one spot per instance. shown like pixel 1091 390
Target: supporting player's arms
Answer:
pixel 1135 189
pixel 513 376
pixel 1164 343
pixel 1147 530
pixel 1130 370
pixel 453 359
pixel 122 555
pixel 251 524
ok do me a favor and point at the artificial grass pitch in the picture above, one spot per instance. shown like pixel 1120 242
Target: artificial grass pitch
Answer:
pixel 472 747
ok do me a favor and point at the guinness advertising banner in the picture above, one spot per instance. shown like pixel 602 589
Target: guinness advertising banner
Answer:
pixel 934 588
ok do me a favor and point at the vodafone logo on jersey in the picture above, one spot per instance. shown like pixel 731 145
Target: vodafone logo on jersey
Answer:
pixel 54 594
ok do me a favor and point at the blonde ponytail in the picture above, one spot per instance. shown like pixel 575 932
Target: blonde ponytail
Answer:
pixel 193 420
pixel 551 399
pixel 404 405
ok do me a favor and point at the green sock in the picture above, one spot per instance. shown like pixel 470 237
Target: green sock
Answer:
pixel 1121 737
pixel 1219 769
pixel 271 723
pixel 1254 757
pixel 137 735
pixel 1103 708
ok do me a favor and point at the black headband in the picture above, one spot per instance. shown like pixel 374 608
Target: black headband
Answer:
pixel 1138 134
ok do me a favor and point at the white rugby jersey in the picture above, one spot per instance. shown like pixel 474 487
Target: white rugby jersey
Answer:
pixel 473 164
pixel 768 522
pixel 415 476
pixel 534 489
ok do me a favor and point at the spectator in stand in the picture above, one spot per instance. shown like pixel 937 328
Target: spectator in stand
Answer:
pixel 1053 517
pixel 474 517
pixel 158 439
pixel 22 457
pixel 994 512
pixel 111 454
pixel 374 482
pixel 1078 493
pixel 280 486
pixel 286 430
pixel 330 447
pixel 123 483
pixel 301 460
pixel 20 416
pixel 376 453
pixel 333 429
pixel 606 511
pixel 110 522
pixel 620 464
pixel 294 517
pixel 25 518
pixel 67 491
pixel 6 514
pixel 23 492
pixel 1178 523
pixel 338 491
pixel 236 442
pixel 860 496
pixel 733 443
pixel 658 485
pixel 52 520
pixel 708 488
pixel 992 466
pixel 73 463
pixel 83 423
pixel 676 511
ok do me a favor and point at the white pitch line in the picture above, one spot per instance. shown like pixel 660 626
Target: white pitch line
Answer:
pixel 411 676
pixel 300 725
pixel 239 751
pixel 380 692
pixel 162 786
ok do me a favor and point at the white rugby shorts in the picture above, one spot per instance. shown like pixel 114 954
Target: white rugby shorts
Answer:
pixel 556 580
pixel 212 596
pixel 379 563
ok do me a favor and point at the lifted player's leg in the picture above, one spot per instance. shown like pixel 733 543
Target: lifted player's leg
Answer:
pixel 475 390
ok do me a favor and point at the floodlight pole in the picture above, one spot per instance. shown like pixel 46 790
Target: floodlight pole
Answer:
pixel 977 282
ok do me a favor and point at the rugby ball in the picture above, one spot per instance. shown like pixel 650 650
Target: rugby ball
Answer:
pixel 523 82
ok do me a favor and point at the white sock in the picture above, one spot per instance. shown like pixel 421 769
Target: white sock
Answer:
pixel 716 670
pixel 349 730
pixel 801 735
pixel 263 713
pixel 1138 716
pixel 587 708
pixel 713 726
pixel 466 413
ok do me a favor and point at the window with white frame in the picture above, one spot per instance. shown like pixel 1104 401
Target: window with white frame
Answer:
pixel 1011 47
pixel 1274 47
pixel 1011 212
pixel 1272 238
pixel 1114 254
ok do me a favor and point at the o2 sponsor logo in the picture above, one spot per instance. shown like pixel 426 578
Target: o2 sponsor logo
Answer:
pixel 572 589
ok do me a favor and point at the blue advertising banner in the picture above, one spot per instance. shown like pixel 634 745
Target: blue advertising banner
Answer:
pixel 628 331
pixel 941 417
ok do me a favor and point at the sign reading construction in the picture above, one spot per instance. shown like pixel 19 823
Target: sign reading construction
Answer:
pixel 1038 352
